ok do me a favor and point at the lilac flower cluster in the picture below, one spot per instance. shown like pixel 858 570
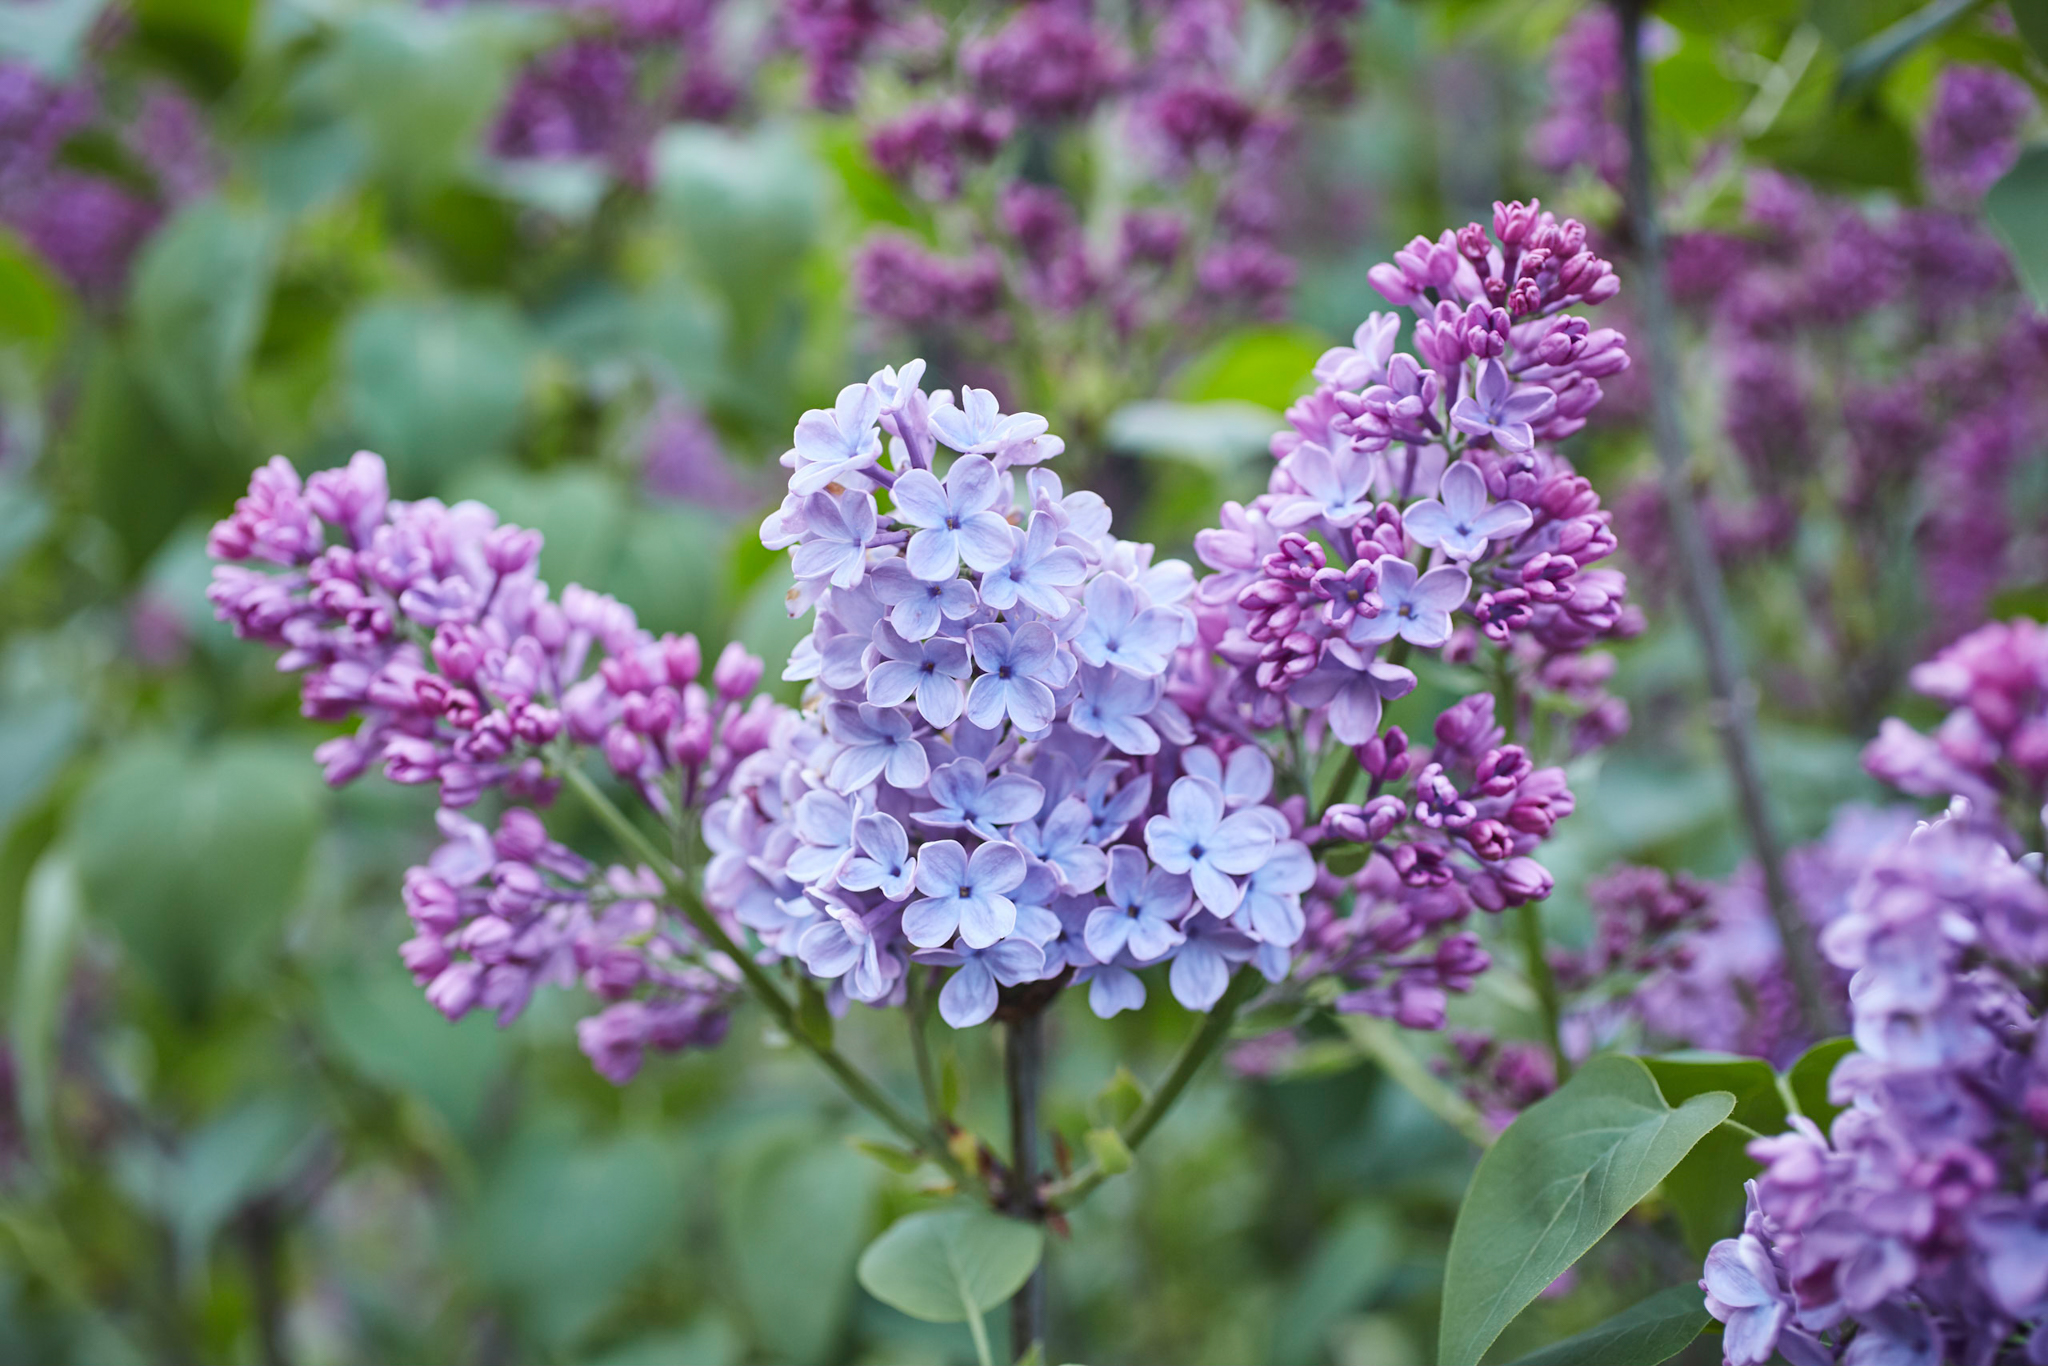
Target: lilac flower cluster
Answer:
pixel 627 67
pixel 428 625
pixel 1972 134
pixel 1916 1229
pixel 1883 368
pixel 1581 123
pixel 86 224
pixel 1196 242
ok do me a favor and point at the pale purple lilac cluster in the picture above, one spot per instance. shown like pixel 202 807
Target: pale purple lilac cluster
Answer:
pixel 1916 1229
pixel 428 627
pixel 1581 122
pixel 86 223
pixel 1209 117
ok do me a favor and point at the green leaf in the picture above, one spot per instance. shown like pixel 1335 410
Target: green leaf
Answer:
pixel 201 291
pixel 1691 92
pixel 1267 366
pixel 812 1012
pixel 194 857
pixel 1218 436
pixel 32 302
pixel 1347 859
pixel 435 386
pixel 1866 63
pixel 202 39
pixel 949 1265
pixel 2030 17
pixel 1353 1261
pixel 1120 1098
pixel 1109 1150
pixel 1758 1103
pixel 214 1171
pixel 895 1158
pixel 42 967
pixel 1807 1079
pixel 1705 1190
pixel 1552 1185
pixel 377 1020
pixel 1653 1330
pixel 37 734
pixel 793 1209
pixel 2018 209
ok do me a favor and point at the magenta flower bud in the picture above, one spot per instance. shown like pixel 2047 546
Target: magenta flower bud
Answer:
pixel 751 731
pixel 1418 1005
pixel 536 725
pixel 487 938
pixel 490 738
pixel 1490 839
pixel 624 751
pixel 520 837
pixel 457 651
pixel 424 956
pixel 1513 220
pixel 1524 879
pixel 1422 865
pixel 614 973
pixel 682 658
pixel 1385 756
pixel 454 992
pixel 1525 298
pixel 690 742
pixel 737 673
pixel 1472 243
pixel 412 760
pixel 509 549
pixel 431 902
pixel 652 714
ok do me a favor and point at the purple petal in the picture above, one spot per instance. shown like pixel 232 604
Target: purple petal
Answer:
pixel 1199 977
pixel 931 922
pixel 969 996
pixel 920 501
pixel 985 918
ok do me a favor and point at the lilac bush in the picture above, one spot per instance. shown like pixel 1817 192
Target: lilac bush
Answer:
pixel 1913 1229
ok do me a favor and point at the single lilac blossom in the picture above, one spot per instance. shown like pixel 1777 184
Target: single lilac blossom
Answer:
pixel 1061 842
pixel 883 861
pixel 831 445
pixel 964 894
pixel 824 822
pixel 876 742
pixel 1114 705
pixel 964 796
pixel 1144 907
pixel 1038 569
pixel 1016 669
pixel 978 427
pixel 1271 909
pixel 1416 607
pixel 1120 630
pixel 1196 837
pixel 842 945
pixel 916 606
pixel 838 532
pixel 953 518
pixel 969 996
pixel 935 670
pixel 1461 523
pixel 1201 970
pixel 1335 484
pixel 1499 409
pixel 1354 686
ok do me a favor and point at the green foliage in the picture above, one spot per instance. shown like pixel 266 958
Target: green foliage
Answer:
pixel 192 857
pixel 433 387
pixel 1558 1179
pixel 1655 1330
pixel 794 1208
pixel 2018 209
pixel 1807 1079
pixel 949 1265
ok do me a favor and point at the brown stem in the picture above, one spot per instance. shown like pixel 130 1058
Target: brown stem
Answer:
pixel 1734 697
pixel 1023 1069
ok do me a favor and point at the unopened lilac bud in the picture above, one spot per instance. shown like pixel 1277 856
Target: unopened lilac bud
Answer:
pixel 456 989
pixel 614 974
pixel 624 751
pixel 1490 839
pixel 682 658
pixel 690 742
pixel 509 549
pixel 536 725
pixel 752 729
pixel 1385 756
pixel 737 673
pixel 1472 243
pixel 1513 220
pixel 457 651
pixel 431 902
pixel 1422 865
pixel 1417 1005
pixel 652 714
pixel 1524 879
pixel 425 957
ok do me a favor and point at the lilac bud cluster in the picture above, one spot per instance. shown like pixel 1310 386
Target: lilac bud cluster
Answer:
pixel 1916 1229
pixel 429 627
pixel 1581 122
pixel 1197 243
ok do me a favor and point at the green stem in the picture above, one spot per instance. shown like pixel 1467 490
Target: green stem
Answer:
pixel 1382 1042
pixel 1529 922
pixel 916 1010
pixel 975 1326
pixel 1063 1195
pixel 850 1078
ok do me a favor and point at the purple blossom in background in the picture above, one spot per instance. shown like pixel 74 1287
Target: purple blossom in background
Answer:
pixel 1972 133
pixel 1581 125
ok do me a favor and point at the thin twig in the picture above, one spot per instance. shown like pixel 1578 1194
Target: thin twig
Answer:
pixel 1063 1195
pixel 1700 576
pixel 1023 1065
pixel 850 1078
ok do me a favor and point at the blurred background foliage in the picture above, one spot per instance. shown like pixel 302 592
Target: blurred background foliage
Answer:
pixel 230 1128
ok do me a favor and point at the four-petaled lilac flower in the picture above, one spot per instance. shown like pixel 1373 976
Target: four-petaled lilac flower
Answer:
pixel 1743 1292
pixel 876 743
pixel 1038 569
pixel 969 996
pixel 1271 909
pixel 1415 608
pixel 836 542
pixel 1117 631
pixel 954 519
pixel 843 945
pixel 1498 408
pixel 1144 907
pixel 978 427
pixel 1113 706
pixel 1201 970
pixel 1353 686
pixel 883 862
pixel 965 796
pixel 1461 523
pixel 1060 841
pixel 1348 592
pixel 1364 362
pixel 964 894
pixel 1015 668
pixel 1336 485
pixel 824 822
pixel 935 670
pixel 1196 838
pixel 916 606
pixel 833 444
pixel 1112 988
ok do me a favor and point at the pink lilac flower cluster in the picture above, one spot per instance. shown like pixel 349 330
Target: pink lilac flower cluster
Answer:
pixel 1581 122
pixel 428 626
pixel 1197 240
pixel 626 68
pixel 1916 1229
pixel 88 224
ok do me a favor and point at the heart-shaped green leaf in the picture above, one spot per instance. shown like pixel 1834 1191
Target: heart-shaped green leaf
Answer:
pixel 1555 1182
pixel 947 1265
